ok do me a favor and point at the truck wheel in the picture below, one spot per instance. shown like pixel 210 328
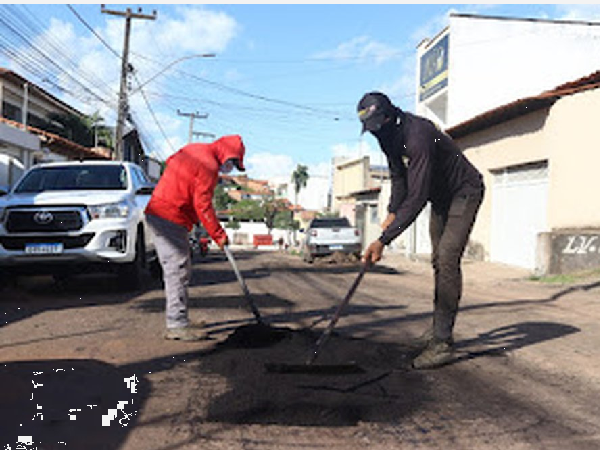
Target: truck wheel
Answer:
pixel 130 274
pixel 155 269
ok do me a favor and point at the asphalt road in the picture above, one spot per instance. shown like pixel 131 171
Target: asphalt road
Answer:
pixel 84 365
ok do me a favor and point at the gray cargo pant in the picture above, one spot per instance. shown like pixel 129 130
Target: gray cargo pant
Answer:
pixel 173 249
pixel 450 226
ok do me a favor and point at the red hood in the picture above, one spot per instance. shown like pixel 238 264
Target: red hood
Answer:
pixel 229 147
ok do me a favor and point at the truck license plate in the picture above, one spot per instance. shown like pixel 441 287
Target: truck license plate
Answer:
pixel 43 249
pixel 336 247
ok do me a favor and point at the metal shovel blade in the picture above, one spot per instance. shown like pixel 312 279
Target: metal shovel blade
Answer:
pixel 245 290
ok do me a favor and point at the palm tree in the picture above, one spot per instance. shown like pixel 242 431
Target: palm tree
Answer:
pixel 299 179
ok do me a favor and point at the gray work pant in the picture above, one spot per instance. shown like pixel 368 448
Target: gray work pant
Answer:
pixel 173 249
pixel 450 226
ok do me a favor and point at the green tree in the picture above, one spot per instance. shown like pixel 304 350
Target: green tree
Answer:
pixel 299 179
pixel 248 210
pixel 83 130
pixel 221 199
pixel 271 207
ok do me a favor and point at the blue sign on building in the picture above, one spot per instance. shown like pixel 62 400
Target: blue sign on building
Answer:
pixel 434 69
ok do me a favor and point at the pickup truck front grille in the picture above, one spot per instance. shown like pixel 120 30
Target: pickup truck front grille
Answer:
pixel 68 242
pixel 43 220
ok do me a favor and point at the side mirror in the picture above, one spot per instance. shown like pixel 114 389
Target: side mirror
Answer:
pixel 4 190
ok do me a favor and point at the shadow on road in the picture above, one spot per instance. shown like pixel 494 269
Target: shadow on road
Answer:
pixel 35 295
pixel 64 401
pixel 78 404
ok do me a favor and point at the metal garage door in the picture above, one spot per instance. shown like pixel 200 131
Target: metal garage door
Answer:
pixel 519 213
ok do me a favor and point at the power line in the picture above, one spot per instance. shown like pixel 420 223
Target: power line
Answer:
pixel 81 19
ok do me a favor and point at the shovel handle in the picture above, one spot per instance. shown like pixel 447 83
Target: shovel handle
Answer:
pixel 323 338
pixel 245 290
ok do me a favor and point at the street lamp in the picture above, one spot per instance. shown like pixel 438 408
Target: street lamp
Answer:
pixel 171 64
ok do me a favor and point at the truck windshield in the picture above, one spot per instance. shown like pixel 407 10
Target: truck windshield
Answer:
pixel 63 178
pixel 330 223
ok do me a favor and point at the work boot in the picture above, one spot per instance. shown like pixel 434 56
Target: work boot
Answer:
pixel 192 332
pixel 436 354
pixel 420 342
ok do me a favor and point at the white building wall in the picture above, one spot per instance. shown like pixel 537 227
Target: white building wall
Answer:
pixel 314 197
pixel 494 61
pixel 17 148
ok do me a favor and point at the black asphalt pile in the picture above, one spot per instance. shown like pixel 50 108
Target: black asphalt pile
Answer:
pixel 256 335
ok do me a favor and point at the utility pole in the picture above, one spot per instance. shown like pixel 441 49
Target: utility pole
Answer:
pixel 192 116
pixel 122 108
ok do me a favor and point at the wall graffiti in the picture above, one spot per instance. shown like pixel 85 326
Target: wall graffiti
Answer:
pixel 581 245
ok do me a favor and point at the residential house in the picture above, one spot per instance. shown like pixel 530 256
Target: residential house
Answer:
pixel 24 140
pixel 480 63
pixel 539 156
pixel 354 176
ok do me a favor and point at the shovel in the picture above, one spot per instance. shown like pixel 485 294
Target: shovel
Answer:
pixel 245 290
pixel 331 369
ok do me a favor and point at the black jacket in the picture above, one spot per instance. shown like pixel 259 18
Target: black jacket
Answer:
pixel 425 165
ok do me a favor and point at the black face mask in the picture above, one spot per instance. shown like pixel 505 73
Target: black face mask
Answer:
pixel 391 135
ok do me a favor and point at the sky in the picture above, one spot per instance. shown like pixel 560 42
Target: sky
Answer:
pixel 285 77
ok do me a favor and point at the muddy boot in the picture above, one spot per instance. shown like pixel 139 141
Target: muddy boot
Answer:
pixel 436 354
pixel 192 332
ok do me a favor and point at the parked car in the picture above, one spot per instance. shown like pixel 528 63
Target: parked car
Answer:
pixel 71 217
pixel 325 236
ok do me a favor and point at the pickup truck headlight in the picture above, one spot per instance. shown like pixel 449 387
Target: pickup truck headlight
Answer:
pixel 110 210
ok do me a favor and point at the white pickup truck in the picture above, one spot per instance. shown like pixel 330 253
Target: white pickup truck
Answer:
pixel 325 236
pixel 70 217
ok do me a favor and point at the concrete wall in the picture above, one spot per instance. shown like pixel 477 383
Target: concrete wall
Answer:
pixel 513 143
pixel 17 148
pixel 572 139
pixel 568 251
pixel 348 177
pixel 400 244
pixel 315 196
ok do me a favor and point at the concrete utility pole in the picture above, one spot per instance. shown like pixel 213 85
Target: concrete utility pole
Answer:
pixel 192 116
pixel 122 108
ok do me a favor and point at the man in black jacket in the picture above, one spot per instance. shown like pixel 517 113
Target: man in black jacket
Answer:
pixel 426 165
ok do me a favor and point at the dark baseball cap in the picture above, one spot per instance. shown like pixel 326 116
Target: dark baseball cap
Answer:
pixel 373 109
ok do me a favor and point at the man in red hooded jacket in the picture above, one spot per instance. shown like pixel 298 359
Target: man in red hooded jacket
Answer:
pixel 182 198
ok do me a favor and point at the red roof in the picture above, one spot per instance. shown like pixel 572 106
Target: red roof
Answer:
pixel 523 106
pixel 59 144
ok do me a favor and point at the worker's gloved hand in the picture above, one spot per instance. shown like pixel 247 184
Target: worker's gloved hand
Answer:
pixel 388 220
pixel 223 242
pixel 373 252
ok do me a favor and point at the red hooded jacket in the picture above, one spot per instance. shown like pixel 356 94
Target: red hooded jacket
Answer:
pixel 185 190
